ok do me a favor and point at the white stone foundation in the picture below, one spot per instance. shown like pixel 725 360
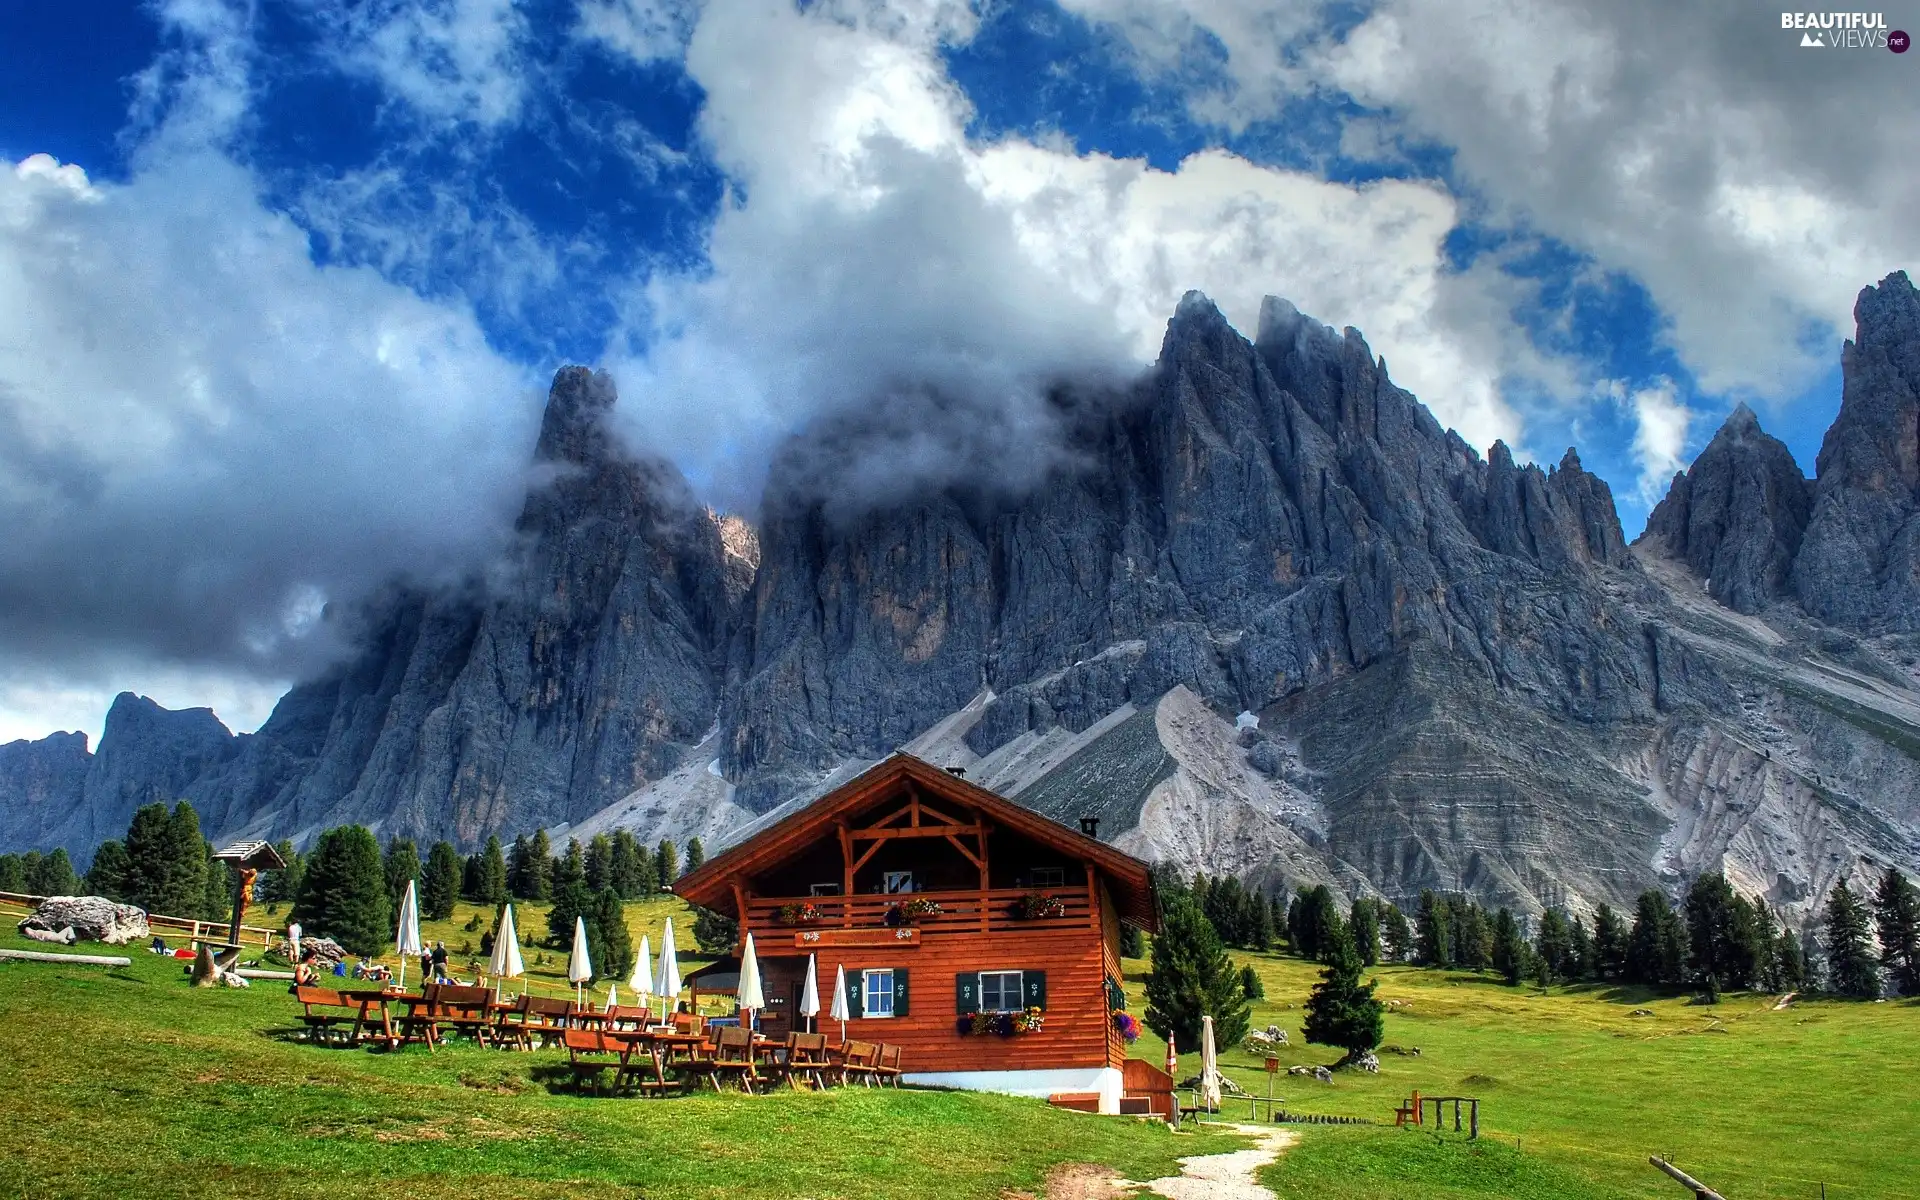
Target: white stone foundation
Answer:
pixel 1041 1084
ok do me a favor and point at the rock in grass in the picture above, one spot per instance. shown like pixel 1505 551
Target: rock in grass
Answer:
pixel 90 918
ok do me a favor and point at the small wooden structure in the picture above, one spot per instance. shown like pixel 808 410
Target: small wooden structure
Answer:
pixel 245 861
pixel 1413 1112
pixel 1700 1190
pixel 996 913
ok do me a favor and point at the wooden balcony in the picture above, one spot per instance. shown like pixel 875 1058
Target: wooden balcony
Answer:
pixel 862 920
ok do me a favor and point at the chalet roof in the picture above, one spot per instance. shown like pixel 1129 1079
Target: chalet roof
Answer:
pixel 710 884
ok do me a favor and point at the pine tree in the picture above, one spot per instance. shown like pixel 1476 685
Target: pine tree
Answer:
pixel 1764 938
pixel 493 873
pixel 1341 1011
pixel 1609 943
pixel 1250 985
pixel 1365 924
pixel 1509 948
pixel 1133 943
pixel 1581 965
pixel 344 893
pixel 1896 906
pixel 696 854
pixel 571 895
pixel 714 933
pixel 1851 970
pixel 1435 945
pixel 53 876
pixel 167 860
pixel 13 874
pixel 1277 916
pixel 1553 947
pixel 284 884
pixel 472 881
pixel 540 867
pixel 610 944
pixel 108 874
pixel 1259 921
pixel 440 886
pixel 1714 949
pixel 1473 935
pixel 626 866
pixel 1789 961
pixel 666 863
pixel 599 862
pixel 1657 946
pixel 217 894
pixel 1311 921
pixel 401 866
pixel 1396 933
pixel 518 867
pixel 1192 976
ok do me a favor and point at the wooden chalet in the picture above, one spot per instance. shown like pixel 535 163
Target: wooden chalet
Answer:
pixel 952 910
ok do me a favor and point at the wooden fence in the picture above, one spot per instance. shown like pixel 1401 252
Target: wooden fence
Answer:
pixel 172 928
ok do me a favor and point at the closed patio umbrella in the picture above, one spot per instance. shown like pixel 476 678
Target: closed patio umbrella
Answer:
pixel 579 966
pixel 839 1012
pixel 810 992
pixel 505 963
pixel 613 996
pixel 666 984
pixel 1209 1067
pixel 406 938
pixel 640 983
pixel 752 998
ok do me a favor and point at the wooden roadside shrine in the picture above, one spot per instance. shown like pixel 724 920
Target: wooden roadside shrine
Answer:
pixel 245 861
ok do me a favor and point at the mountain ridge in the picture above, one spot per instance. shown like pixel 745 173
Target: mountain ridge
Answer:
pixel 1452 671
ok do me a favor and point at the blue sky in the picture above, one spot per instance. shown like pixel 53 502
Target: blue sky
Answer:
pixel 324 252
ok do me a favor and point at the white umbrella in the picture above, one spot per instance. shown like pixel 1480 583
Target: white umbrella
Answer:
pixel 579 966
pixel 752 998
pixel 1209 1067
pixel 1173 1057
pixel 839 1012
pixel 505 963
pixel 810 993
pixel 613 996
pixel 666 984
pixel 406 938
pixel 640 983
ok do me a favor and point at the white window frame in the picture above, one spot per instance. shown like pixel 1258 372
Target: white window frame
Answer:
pixel 823 889
pixel 895 883
pixel 1057 877
pixel 868 977
pixel 1019 992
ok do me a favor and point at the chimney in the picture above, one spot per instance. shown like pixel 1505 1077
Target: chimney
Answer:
pixel 1090 826
pixel 961 772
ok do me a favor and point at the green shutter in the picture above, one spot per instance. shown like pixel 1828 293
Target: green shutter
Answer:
pixel 857 994
pixel 899 991
pixel 1036 984
pixel 966 992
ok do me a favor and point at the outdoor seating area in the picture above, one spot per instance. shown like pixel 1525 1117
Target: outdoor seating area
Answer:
pixel 618 1049
pixel 656 1047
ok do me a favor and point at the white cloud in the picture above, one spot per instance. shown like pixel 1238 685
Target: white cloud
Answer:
pixel 872 242
pixel 1661 422
pixel 204 431
pixel 453 62
pixel 1752 187
pixel 644 30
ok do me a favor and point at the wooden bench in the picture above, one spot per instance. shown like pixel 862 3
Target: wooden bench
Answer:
pixel 591 1052
pixel 886 1065
pixel 733 1058
pixel 806 1060
pixel 533 1017
pixel 857 1061
pixel 462 1009
pixel 326 1010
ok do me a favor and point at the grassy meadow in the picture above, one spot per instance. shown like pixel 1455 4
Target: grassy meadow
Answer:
pixel 128 1082
pixel 1754 1102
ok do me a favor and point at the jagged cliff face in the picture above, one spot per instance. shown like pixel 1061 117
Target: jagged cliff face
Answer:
pixel 1266 617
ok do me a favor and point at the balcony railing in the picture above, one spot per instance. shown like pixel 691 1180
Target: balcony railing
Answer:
pixel 960 912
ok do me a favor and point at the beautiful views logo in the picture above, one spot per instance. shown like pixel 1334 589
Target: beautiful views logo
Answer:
pixel 1845 31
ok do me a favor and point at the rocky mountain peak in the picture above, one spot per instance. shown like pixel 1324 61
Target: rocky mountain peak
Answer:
pixel 1860 566
pixel 1736 517
pixel 573 427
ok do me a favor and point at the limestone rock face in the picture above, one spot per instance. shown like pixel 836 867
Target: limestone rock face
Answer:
pixel 147 754
pixel 1859 565
pixel 90 918
pixel 40 783
pixel 1738 514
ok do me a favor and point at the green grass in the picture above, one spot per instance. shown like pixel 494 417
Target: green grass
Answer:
pixel 127 1082
pixel 1757 1103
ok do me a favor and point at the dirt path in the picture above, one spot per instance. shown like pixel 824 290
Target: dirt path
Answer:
pixel 1226 1176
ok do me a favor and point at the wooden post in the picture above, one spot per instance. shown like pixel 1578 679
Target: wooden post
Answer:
pixel 242 892
pixel 1700 1190
pixel 1474 1119
pixel 1419 1109
pixel 846 888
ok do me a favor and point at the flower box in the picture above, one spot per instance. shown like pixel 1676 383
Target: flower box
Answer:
pixel 1035 906
pixel 797 914
pixel 910 912
pixel 1011 1024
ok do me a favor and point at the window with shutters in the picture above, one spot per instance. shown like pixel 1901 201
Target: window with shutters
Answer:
pixel 1048 877
pixel 876 993
pixel 1002 991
